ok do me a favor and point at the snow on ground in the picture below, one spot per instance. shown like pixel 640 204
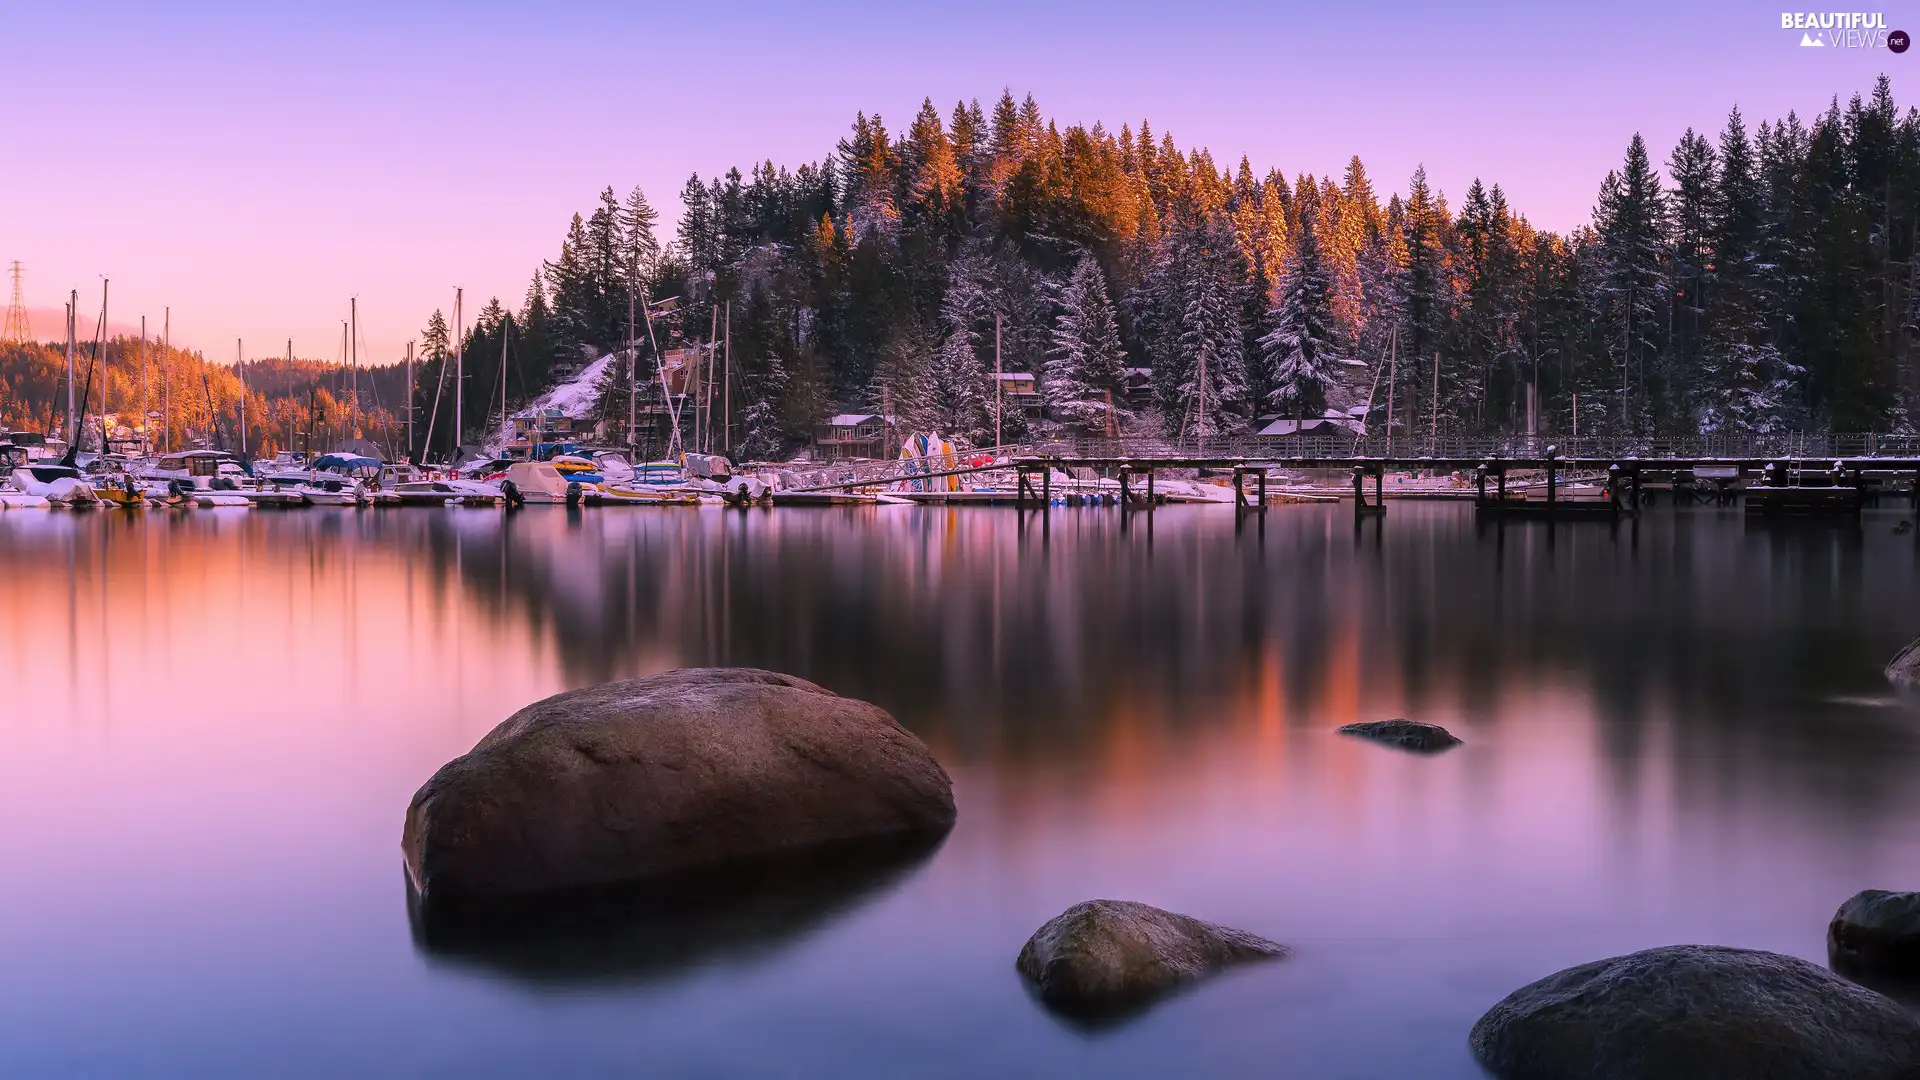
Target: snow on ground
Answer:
pixel 575 399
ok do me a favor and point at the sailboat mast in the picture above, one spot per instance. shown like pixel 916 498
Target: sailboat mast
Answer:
pixel 289 407
pixel 459 372
pixel 633 376
pixel 240 365
pixel 143 382
pixel 706 381
pixel 410 403
pixel 166 381
pixel 353 357
pixel 73 303
pixel 100 361
pixel 666 395
pixel 726 388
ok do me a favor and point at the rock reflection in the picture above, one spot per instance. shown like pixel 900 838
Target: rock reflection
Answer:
pixel 655 930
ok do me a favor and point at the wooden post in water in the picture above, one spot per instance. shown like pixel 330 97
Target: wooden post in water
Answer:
pixel 1263 490
pixel 1126 490
pixel 1046 487
pixel 1150 499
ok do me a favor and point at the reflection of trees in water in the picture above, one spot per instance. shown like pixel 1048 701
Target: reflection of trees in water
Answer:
pixel 966 620
pixel 997 636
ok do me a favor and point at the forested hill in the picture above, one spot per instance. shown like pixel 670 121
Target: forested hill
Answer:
pixel 1755 277
pixel 190 401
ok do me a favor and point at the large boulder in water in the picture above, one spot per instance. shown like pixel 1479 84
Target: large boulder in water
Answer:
pixel 1112 955
pixel 1697 1012
pixel 1405 734
pixel 682 772
pixel 1877 931
pixel 1903 670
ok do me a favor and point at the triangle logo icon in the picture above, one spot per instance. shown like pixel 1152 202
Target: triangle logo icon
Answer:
pixel 1808 41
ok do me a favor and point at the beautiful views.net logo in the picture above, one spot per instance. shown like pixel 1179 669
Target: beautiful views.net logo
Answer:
pixel 1844 30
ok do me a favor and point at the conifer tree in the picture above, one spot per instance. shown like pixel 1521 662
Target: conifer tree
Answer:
pixel 1086 366
pixel 1692 209
pixel 1303 346
pixel 762 435
pixel 1630 223
pixel 640 248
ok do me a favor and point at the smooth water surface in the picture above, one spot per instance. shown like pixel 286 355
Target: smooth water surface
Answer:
pixel 211 724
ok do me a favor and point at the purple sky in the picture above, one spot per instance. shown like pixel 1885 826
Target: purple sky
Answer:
pixel 253 168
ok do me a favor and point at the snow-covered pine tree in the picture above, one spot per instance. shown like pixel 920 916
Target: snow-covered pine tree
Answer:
pixel 953 383
pixel 1630 221
pixel 1303 346
pixel 762 434
pixel 1745 385
pixel 1086 366
pixel 1206 363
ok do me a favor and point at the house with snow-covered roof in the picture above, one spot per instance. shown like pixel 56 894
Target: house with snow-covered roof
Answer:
pixel 851 435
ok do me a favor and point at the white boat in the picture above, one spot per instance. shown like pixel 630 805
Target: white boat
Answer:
pixel 446 493
pixel 20 500
pixel 59 485
pixel 325 492
pixel 540 482
pixel 202 469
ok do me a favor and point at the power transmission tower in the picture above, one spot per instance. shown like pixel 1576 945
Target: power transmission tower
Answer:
pixel 17 331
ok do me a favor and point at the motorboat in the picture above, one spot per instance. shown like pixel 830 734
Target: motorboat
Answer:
pixel 449 492
pixel 540 482
pixel 332 491
pixel 623 495
pixel 207 470
pixel 59 485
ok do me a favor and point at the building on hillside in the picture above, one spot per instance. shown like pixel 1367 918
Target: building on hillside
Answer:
pixel 851 435
pixel 537 428
pixel 1018 392
pixel 1332 422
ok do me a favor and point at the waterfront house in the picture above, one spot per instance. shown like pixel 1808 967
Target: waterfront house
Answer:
pixel 851 435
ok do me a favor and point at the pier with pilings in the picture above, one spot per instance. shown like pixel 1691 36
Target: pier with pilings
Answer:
pixel 1559 487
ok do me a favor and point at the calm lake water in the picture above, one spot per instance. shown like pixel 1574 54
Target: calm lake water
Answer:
pixel 211 724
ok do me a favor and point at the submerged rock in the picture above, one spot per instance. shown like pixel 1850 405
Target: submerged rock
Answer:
pixel 1903 670
pixel 1879 931
pixel 1405 734
pixel 661 928
pixel 1113 955
pixel 1697 1012
pixel 681 772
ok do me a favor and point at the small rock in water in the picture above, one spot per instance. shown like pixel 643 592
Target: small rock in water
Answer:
pixel 1904 670
pixel 1110 956
pixel 671 774
pixel 1697 1012
pixel 1879 931
pixel 1405 734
